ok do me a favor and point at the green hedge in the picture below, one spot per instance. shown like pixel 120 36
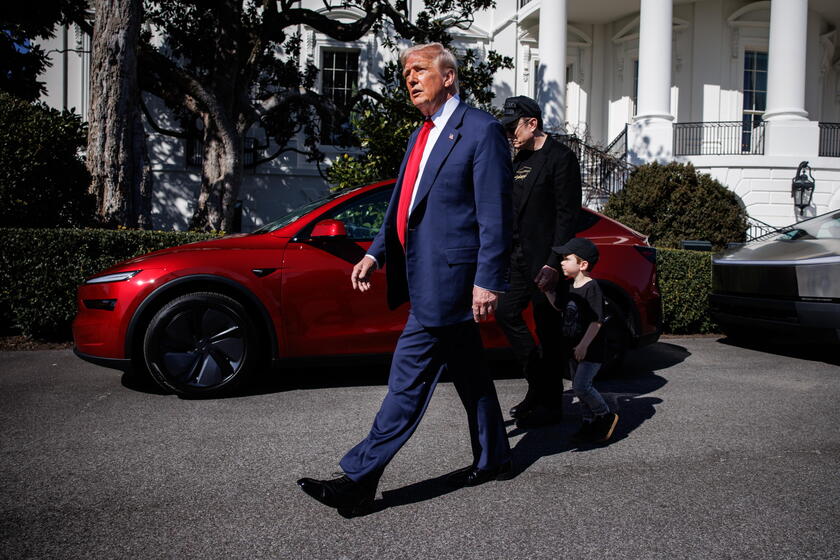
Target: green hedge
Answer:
pixel 685 281
pixel 40 270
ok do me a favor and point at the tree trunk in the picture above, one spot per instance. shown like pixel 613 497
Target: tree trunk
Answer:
pixel 116 155
pixel 221 177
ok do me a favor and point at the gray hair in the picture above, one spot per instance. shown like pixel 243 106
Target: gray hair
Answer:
pixel 443 58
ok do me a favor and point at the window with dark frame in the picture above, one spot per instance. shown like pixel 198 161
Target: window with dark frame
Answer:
pixel 755 95
pixel 339 82
pixel 636 86
pixel 194 151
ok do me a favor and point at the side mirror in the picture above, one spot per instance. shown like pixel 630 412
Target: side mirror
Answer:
pixel 329 228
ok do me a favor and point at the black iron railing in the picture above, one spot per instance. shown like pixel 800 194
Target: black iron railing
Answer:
pixel 523 2
pixel 194 151
pixel 602 174
pixel 756 229
pixel 618 147
pixel 718 138
pixel 829 139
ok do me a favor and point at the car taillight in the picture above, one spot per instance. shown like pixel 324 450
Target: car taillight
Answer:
pixel 648 253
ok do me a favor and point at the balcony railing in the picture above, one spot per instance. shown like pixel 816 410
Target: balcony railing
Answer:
pixel 618 147
pixel 522 3
pixel 829 139
pixel 756 229
pixel 601 173
pixel 718 138
pixel 194 151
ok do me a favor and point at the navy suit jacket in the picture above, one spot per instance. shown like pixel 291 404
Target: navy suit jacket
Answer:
pixel 459 229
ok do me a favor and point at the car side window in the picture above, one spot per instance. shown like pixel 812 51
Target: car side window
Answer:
pixel 364 217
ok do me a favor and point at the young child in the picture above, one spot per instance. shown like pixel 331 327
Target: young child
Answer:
pixel 583 315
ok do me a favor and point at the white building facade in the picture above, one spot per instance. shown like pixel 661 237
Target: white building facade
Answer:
pixel 743 90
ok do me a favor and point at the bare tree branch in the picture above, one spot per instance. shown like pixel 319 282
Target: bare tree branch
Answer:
pixel 157 70
pixel 277 154
pixel 336 29
pixel 156 127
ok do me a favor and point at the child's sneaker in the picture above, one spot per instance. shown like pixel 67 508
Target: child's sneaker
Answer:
pixel 603 427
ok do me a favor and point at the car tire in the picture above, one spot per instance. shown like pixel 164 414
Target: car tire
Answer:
pixel 200 344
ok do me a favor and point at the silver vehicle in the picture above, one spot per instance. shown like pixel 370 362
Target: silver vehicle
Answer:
pixel 786 281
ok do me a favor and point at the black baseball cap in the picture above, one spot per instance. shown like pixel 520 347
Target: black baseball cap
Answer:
pixel 581 247
pixel 518 107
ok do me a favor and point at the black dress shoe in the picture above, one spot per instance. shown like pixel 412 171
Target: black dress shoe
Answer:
pixel 347 496
pixel 538 417
pixel 473 476
pixel 522 408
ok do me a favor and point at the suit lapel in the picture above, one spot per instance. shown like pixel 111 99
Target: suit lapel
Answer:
pixel 446 141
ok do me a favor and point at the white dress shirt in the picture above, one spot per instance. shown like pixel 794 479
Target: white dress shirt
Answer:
pixel 439 119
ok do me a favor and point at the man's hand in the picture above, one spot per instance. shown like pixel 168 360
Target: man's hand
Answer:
pixel 360 277
pixel 547 279
pixel 484 303
pixel 580 351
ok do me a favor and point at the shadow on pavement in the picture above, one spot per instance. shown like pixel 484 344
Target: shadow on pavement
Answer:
pixel 320 373
pixel 799 349
pixel 141 382
pixel 625 394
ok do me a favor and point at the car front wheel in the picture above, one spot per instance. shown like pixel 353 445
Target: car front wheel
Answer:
pixel 200 344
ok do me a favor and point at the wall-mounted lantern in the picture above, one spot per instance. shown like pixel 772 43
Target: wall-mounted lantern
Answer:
pixel 802 187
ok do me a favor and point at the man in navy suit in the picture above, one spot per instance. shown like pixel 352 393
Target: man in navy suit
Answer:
pixel 445 245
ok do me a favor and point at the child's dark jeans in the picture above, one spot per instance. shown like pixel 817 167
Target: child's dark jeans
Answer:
pixel 583 373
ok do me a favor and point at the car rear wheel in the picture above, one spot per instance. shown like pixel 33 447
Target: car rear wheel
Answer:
pixel 200 344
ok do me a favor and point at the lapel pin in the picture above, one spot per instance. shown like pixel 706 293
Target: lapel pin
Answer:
pixel 451 136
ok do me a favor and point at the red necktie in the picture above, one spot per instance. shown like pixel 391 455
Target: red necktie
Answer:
pixel 412 168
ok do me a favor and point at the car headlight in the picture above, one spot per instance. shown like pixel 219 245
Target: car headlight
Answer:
pixel 116 277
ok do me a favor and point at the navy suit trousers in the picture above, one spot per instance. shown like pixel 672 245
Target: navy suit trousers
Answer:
pixel 422 354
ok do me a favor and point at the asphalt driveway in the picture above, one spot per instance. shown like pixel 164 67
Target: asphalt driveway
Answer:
pixel 722 452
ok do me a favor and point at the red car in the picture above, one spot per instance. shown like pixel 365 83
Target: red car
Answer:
pixel 201 317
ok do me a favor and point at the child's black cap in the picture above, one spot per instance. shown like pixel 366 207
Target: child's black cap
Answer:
pixel 581 247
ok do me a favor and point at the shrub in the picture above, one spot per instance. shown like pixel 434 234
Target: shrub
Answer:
pixel 44 181
pixel 673 202
pixel 41 269
pixel 685 281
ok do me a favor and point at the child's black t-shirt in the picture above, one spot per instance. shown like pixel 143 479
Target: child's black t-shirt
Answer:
pixel 584 305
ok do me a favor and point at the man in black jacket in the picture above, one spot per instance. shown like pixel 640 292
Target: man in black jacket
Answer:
pixel 546 202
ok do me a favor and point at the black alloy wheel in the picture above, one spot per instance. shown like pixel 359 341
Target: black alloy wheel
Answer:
pixel 200 344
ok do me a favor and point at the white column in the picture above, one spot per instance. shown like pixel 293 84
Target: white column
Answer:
pixel 655 30
pixel 599 106
pixel 650 138
pixel 551 78
pixel 788 132
pixel 786 61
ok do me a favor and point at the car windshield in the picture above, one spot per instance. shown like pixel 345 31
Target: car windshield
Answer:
pixel 825 226
pixel 296 213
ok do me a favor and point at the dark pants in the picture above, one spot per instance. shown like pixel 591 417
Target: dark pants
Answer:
pixel 542 367
pixel 422 354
